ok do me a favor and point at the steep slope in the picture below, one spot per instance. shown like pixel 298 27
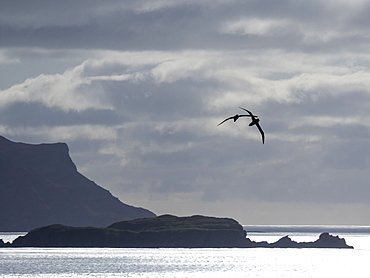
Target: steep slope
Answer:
pixel 40 185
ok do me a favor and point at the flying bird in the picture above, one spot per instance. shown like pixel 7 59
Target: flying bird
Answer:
pixel 235 118
pixel 255 121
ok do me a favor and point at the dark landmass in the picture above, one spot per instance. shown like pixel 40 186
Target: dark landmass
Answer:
pixel 2 244
pixel 163 231
pixel 160 232
pixel 325 241
pixel 40 185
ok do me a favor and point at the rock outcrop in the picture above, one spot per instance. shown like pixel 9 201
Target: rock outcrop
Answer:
pixel 160 232
pixel 163 231
pixel 325 241
pixel 40 185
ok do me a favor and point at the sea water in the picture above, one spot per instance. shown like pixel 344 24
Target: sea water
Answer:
pixel 198 262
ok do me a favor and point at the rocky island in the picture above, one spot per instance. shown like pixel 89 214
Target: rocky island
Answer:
pixel 163 231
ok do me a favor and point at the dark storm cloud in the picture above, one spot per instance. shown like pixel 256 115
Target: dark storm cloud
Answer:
pixel 97 28
pixel 137 88
pixel 126 25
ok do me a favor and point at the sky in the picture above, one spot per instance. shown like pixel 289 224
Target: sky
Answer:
pixel 136 89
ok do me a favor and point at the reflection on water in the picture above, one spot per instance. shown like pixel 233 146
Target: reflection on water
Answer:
pixel 207 262
pixel 10 236
pixel 176 262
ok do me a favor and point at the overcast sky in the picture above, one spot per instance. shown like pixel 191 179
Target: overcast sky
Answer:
pixel 136 89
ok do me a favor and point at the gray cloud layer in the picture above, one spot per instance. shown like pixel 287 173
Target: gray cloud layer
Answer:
pixel 137 88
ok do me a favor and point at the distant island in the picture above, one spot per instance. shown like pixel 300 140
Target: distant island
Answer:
pixel 166 231
pixel 40 185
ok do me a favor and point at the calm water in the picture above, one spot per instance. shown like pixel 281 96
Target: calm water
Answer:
pixel 177 262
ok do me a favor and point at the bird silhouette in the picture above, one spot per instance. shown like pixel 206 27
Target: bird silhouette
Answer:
pixel 255 121
pixel 236 117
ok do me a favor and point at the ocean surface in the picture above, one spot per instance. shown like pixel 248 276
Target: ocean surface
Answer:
pixel 208 262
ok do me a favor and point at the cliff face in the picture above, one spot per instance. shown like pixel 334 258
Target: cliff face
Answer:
pixel 40 185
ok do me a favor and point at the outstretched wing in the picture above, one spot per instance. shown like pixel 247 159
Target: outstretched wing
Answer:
pixel 232 117
pixel 262 133
pixel 249 112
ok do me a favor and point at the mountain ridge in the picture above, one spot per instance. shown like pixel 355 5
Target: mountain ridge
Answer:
pixel 40 185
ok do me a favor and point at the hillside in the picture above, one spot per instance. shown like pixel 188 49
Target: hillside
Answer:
pixel 40 185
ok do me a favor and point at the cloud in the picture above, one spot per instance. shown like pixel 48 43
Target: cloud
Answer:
pixel 137 89
pixel 65 91
pixel 65 133
pixel 180 25
pixel 257 27
pixel 5 59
